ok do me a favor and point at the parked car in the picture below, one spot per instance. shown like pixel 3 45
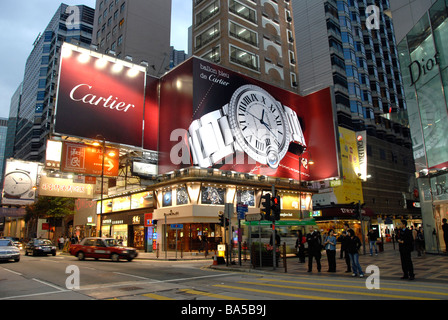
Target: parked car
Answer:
pixel 40 247
pixel 16 242
pixel 102 248
pixel 8 251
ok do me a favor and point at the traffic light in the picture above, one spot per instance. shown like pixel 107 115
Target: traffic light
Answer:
pixel 221 219
pixel 266 206
pixel 358 211
pixel 276 208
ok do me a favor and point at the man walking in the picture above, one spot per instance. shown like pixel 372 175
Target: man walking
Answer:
pixel 405 246
pixel 314 248
pixel 445 233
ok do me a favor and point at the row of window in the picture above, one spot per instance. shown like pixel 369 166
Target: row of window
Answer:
pixel 242 58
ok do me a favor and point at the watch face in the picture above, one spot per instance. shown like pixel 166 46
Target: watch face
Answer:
pixel 182 196
pixel 17 183
pixel 260 125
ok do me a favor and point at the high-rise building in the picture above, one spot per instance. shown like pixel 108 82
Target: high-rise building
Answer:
pixel 255 38
pixel 422 32
pixel 12 122
pixel 3 133
pixel 35 117
pixel 336 46
pixel 135 30
pixel 177 57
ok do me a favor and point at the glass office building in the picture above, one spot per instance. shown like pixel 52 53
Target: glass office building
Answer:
pixel 423 55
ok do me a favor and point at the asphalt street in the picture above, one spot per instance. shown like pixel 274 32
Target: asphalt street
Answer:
pixel 52 278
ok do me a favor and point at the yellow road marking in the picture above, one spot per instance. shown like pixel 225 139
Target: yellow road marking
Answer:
pixel 156 296
pixel 360 287
pixel 275 293
pixel 212 295
pixel 335 291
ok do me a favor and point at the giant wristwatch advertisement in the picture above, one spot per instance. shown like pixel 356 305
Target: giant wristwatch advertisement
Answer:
pixel 238 124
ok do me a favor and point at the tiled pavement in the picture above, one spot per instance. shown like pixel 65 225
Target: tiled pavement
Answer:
pixel 428 267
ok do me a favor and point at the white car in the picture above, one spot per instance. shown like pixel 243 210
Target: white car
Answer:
pixel 8 251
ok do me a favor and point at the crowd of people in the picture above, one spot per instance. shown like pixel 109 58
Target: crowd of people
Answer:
pixel 313 243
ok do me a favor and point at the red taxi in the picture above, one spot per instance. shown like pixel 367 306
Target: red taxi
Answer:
pixel 102 248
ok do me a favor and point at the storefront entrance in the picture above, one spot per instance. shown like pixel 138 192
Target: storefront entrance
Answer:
pixel 195 237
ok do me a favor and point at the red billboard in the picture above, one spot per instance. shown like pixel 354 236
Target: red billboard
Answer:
pixel 215 118
pixel 100 95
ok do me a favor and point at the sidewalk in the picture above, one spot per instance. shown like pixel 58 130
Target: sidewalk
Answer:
pixel 428 267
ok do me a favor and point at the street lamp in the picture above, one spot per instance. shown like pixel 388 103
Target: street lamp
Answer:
pixel 303 162
pixel 103 140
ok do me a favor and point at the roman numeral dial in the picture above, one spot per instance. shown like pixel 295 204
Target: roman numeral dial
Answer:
pixel 260 125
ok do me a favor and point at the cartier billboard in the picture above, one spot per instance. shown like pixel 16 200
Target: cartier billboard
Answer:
pixel 231 122
pixel 100 95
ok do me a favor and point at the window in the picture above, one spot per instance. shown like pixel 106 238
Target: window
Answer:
pixel 244 58
pixel 242 11
pixel 243 34
pixel 120 40
pixel 207 36
pixel 213 55
pixel 123 6
pixel 293 80
pixel 207 13
pixel 292 59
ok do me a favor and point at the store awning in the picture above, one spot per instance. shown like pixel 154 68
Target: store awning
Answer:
pixel 309 222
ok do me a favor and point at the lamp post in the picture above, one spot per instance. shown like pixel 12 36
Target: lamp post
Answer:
pixel 103 143
pixel 308 162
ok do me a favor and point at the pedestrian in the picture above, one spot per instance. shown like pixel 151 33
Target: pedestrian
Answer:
pixel 300 246
pixel 341 240
pixel 330 248
pixel 405 246
pixel 345 246
pixel 353 246
pixel 445 233
pixel 420 241
pixel 314 248
pixel 61 242
pixel 372 241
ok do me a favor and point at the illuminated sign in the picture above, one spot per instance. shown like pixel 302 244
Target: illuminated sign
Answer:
pixel 54 187
pixel 85 159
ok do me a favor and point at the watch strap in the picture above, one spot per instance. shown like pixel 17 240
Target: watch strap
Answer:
pixel 294 124
pixel 211 139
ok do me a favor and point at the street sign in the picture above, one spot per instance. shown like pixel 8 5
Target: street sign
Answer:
pixel 85 159
pixel 241 210
pixel 177 226
pixel 254 217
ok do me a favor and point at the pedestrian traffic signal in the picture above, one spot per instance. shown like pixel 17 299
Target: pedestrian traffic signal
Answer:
pixel 266 206
pixel 275 206
pixel 358 210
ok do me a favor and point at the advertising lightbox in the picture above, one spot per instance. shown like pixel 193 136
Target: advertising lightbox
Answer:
pixel 215 118
pixel 100 95
pixel 19 183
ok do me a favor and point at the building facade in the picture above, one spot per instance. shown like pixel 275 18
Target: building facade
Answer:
pixel 35 116
pixel 136 30
pixel 335 47
pixel 251 37
pixel 423 53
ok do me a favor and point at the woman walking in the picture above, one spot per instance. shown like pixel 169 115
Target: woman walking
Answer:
pixel 353 250
pixel 330 247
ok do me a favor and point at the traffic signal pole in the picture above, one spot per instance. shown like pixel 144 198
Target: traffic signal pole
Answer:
pixel 274 255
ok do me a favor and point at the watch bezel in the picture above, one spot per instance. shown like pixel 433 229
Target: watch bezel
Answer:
pixel 240 139
pixel 20 194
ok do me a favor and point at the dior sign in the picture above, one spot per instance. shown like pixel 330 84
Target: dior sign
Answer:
pixel 422 67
